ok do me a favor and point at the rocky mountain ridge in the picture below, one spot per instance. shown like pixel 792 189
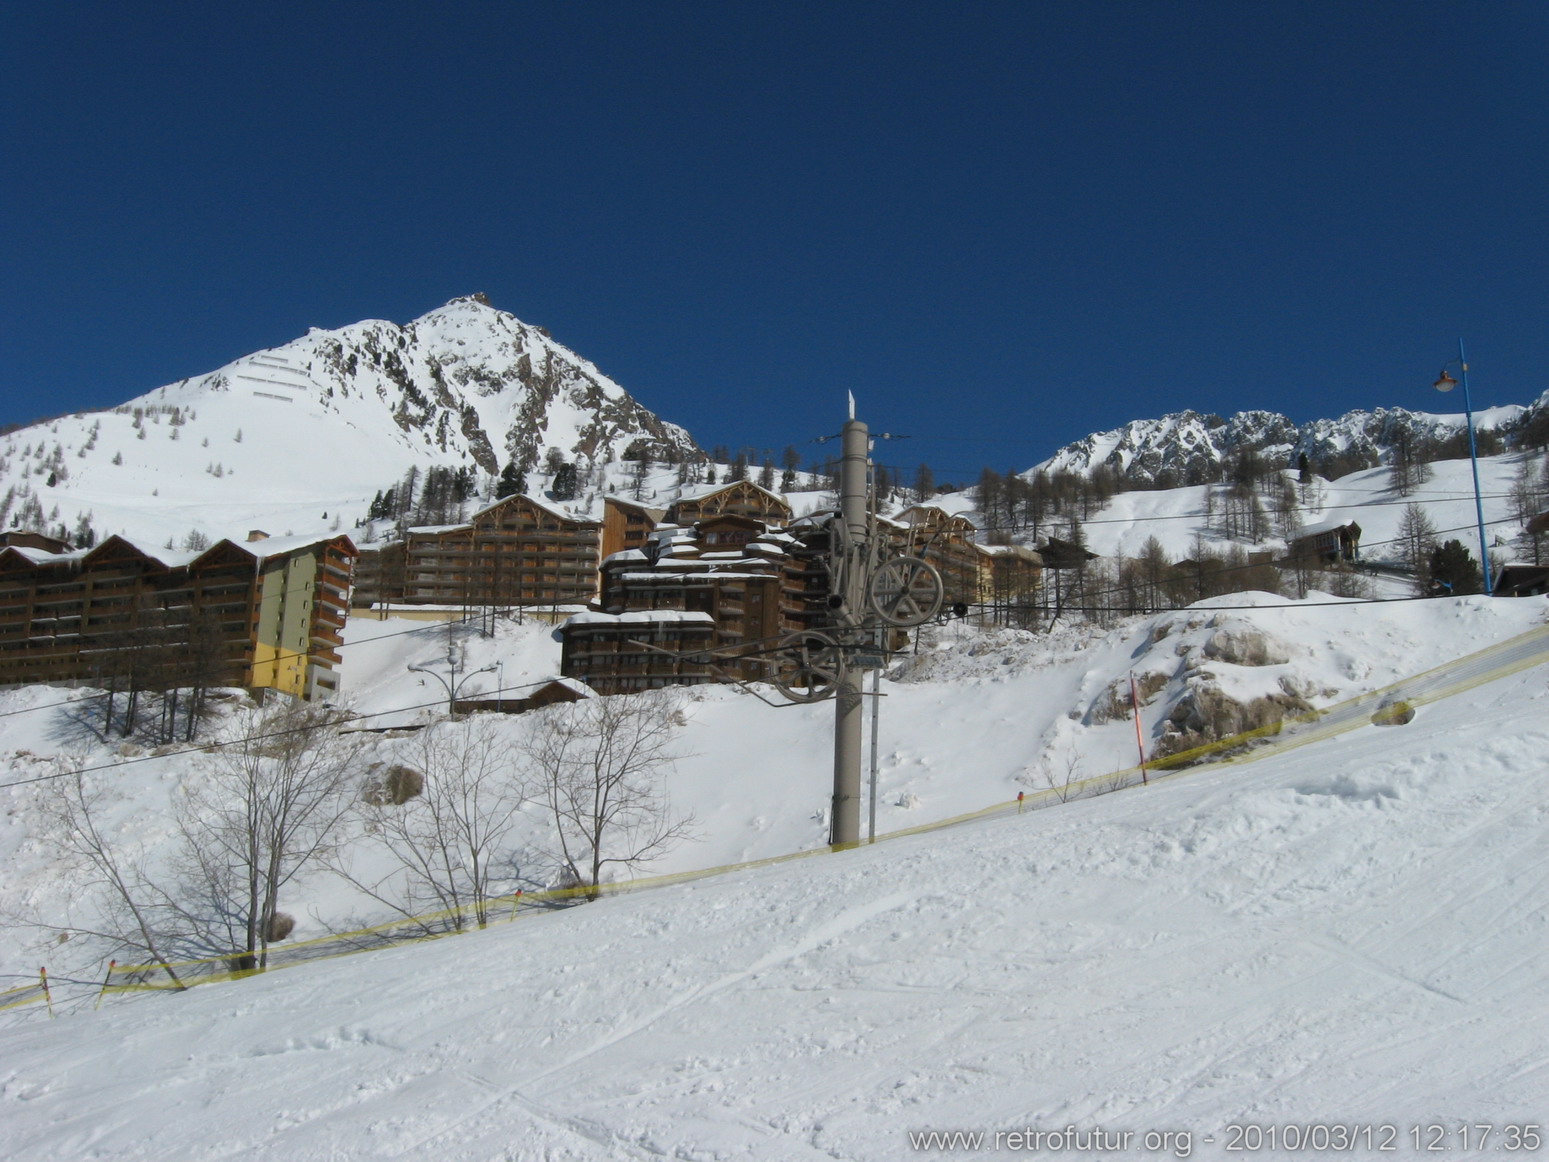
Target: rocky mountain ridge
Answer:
pixel 1192 448
pixel 465 378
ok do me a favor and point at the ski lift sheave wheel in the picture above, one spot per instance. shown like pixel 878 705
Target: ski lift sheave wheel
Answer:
pixel 809 666
pixel 906 592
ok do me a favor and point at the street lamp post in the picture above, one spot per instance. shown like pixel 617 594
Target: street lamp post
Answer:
pixel 453 684
pixel 1445 382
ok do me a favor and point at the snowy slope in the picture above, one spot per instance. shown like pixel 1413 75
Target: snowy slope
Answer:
pixel 1351 933
pixel 1176 516
pixel 1030 709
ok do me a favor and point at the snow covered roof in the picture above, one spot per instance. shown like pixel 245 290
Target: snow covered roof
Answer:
pixel 641 617
pixel 624 502
pixel 1006 551
pixel 678 576
pixel 548 507
pixel 625 555
pixel 716 490
pixel 573 684
pixel 283 546
pixel 920 514
pixel 43 556
pixel 816 519
pixel 1327 526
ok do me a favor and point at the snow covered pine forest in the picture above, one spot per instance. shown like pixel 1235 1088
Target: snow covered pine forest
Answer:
pixel 1329 941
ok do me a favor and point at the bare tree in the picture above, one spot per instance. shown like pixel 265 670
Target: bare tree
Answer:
pixel 1415 542
pixel 133 910
pixel 1153 570
pixel 1287 516
pixel 1528 489
pixel 599 766
pixel 270 805
pixel 452 839
pixel 1062 774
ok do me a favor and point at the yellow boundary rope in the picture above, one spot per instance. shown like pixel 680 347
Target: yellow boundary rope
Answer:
pixel 1445 681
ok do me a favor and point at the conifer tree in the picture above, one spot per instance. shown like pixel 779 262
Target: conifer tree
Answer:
pixel 512 481
pixel 1454 572
pixel 565 482
pixel 924 483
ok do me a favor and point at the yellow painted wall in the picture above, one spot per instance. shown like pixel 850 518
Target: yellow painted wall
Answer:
pixel 283 639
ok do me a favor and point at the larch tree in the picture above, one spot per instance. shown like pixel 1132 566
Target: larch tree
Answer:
pixel 447 816
pixel 600 768
pixel 268 808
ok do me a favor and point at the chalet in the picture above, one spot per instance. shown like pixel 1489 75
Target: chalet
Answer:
pixel 549 693
pixel 739 498
pixel 1061 554
pixel 946 541
pixel 620 653
pixel 517 551
pixel 727 583
pixel 1009 582
pixel 25 539
pixel 709 599
pixel 264 616
pixel 1329 544
pixel 1521 580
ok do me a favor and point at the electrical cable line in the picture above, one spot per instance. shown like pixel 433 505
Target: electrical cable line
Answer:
pixel 221 744
pixel 1011 527
pixel 426 628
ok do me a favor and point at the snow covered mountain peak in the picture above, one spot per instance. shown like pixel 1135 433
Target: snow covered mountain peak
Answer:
pixel 465 379
pixel 316 425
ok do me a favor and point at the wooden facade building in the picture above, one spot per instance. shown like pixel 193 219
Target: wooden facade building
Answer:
pixel 711 599
pixel 265 615
pixel 1010 583
pixel 517 551
pixel 728 583
pixel 627 524
pixel 739 498
pixel 1326 544
pixel 946 541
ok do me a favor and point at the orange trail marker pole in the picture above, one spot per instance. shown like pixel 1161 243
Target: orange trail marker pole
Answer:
pixel 1134 701
pixel 112 964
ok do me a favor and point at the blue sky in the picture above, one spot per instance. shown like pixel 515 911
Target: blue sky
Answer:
pixel 1001 225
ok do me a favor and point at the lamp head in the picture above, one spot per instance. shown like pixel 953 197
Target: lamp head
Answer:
pixel 1445 382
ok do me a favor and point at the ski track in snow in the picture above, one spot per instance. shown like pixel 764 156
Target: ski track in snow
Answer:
pixel 823 933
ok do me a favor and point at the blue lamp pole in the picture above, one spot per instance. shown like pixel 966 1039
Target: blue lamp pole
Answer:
pixel 1445 382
